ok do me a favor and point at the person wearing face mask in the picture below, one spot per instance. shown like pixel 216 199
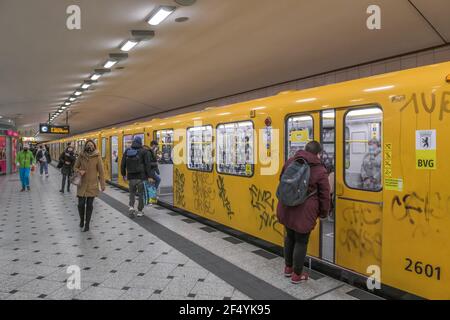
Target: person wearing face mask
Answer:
pixel 371 167
pixel 66 163
pixel 25 160
pixel 90 166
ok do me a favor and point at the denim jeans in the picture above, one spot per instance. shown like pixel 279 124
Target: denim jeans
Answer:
pixel 25 177
pixel 43 166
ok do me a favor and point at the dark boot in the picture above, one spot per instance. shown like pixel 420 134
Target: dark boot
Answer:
pixel 88 220
pixel 81 211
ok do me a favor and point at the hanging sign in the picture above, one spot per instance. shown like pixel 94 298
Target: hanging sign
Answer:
pixel 51 129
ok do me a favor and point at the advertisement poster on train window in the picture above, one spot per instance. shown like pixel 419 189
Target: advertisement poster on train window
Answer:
pixel 426 150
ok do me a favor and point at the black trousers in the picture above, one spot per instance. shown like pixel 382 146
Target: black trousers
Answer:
pixel 64 178
pixel 85 208
pixel 295 248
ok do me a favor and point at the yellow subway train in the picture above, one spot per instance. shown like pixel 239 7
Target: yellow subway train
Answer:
pixel 385 146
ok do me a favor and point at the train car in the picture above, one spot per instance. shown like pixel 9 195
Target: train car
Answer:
pixel 384 141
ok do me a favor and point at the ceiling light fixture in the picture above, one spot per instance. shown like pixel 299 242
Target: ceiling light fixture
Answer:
pixel 72 99
pixel 78 93
pixel 159 14
pixel 110 63
pixel 95 76
pixel 85 86
pixel 128 45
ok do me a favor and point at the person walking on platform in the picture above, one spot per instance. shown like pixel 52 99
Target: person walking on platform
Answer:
pixel 301 220
pixel 66 163
pixel 89 166
pixel 43 158
pixel 135 167
pixel 25 161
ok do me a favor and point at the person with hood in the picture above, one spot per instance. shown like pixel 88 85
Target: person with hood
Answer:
pixel 89 166
pixel 371 167
pixel 135 167
pixel 43 158
pixel 66 163
pixel 301 220
pixel 25 160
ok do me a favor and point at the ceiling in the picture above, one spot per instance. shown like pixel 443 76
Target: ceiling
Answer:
pixel 226 47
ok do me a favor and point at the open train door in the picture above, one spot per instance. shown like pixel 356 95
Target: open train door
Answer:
pixel 359 188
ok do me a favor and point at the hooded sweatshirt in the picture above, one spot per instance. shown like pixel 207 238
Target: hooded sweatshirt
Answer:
pixel 303 218
pixel 144 158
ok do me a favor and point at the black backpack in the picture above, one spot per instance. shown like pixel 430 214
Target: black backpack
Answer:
pixel 133 161
pixel 294 183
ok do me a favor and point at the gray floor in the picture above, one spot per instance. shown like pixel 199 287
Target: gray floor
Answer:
pixel 121 258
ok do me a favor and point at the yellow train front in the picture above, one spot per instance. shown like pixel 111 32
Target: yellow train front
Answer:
pixel 384 141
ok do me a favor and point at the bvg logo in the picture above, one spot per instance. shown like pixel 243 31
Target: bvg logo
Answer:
pixel 425 164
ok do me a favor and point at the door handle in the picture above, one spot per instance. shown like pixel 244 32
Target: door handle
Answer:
pixel 339 189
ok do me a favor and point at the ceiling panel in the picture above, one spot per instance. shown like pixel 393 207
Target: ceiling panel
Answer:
pixel 226 47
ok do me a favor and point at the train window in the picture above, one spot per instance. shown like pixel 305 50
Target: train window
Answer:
pixel 103 148
pixel 199 151
pixel 235 149
pixel 300 132
pixel 165 143
pixel 127 142
pixel 363 151
pixel 96 142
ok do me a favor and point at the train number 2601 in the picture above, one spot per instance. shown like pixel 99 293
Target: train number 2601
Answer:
pixel 419 268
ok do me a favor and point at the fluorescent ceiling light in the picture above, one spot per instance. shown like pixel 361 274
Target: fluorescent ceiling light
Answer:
pixel 67 103
pixel 72 99
pixel 306 100
pixel 379 89
pixel 108 64
pixel 95 76
pixel 128 45
pixel 78 93
pixel 365 112
pixel 85 86
pixel 159 15
pixel 63 108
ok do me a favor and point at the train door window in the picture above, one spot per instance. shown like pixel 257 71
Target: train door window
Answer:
pixel 200 146
pixel 104 148
pixel 127 142
pixel 300 131
pixel 235 148
pixel 327 136
pixel 140 135
pixel 165 145
pixel 363 141
pixel 114 158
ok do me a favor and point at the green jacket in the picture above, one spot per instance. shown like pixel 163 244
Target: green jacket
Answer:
pixel 25 159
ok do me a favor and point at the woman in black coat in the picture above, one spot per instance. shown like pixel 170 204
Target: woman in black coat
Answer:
pixel 66 163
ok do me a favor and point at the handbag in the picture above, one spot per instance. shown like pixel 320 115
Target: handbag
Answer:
pixel 76 179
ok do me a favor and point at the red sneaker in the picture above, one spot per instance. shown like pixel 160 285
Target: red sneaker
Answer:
pixel 296 279
pixel 288 272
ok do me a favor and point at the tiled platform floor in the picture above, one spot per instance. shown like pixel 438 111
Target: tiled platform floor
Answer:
pixel 121 259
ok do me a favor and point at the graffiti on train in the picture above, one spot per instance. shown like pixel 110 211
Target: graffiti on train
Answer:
pixel 179 182
pixel 204 193
pixel 430 103
pixel 361 232
pixel 264 203
pixel 224 197
pixel 421 212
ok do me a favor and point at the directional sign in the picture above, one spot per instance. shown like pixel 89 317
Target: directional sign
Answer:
pixel 51 129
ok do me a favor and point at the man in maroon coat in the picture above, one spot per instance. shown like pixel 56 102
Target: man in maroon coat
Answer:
pixel 300 221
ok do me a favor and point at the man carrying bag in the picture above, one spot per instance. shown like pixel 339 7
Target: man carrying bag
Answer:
pixel 135 167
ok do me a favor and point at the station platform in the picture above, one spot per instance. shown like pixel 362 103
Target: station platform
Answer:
pixel 162 256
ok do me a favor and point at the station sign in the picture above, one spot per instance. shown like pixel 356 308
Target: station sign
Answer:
pixel 51 129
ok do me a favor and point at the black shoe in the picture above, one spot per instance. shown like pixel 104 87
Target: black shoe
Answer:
pixel 62 191
pixel 28 188
pixel 22 190
pixel 81 224
pixel 86 228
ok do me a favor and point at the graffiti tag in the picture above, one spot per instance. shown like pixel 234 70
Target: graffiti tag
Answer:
pixel 179 188
pixel 202 187
pixel 264 203
pixel 224 197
